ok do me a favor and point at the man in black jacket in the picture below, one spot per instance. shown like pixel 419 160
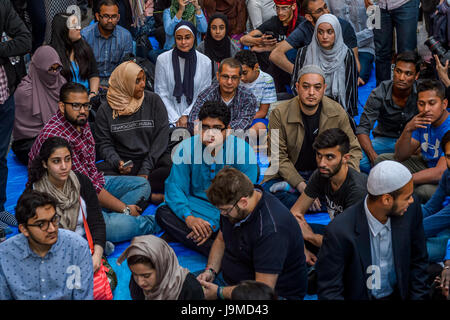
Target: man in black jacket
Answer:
pixel 12 69
pixel 375 250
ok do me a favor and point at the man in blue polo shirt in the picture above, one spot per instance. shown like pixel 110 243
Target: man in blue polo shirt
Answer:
pixel 259 239
pixel 110 42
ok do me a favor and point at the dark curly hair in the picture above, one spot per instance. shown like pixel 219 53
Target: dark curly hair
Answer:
pixel 217 110
pixel 37 170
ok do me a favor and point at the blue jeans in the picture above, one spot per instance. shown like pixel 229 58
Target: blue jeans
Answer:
pixel 366 60
pixel 435 223
pixel 404 20
pixel 380 145
pixel 287 198
pixel 437 246
pixel 129 190
pixel 6 127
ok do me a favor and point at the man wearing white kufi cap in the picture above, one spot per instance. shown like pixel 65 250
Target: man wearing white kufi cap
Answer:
pixel 375 250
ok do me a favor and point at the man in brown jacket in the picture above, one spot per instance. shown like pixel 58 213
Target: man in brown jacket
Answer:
pixel 293 126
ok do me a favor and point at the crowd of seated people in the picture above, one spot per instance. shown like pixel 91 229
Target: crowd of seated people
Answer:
pixel 106 129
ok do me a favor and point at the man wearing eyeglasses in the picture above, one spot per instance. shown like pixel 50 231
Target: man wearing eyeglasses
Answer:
pixel 117 195
pixel 302 36
pixel 240 101
pixel 264 39
pixel 110 42
pixel 188 216
pixel 43 262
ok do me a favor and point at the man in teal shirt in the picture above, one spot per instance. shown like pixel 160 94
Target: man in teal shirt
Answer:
pixel 187 215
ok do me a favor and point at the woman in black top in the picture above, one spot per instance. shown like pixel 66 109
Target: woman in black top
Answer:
pixel 156 273
pixel 51 172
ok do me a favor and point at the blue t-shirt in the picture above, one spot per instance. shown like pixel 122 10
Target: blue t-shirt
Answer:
pixel 430 142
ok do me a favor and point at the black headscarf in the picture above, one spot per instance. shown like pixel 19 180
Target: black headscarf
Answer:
pixel 187 86
pixel 218 50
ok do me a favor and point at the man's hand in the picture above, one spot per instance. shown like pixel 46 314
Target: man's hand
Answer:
pixel 123 170
pixel 199 240
pixel 268 40
pixel 206 276
pixel 361 82
pixel 442 71
pixel 135 210
pixel 209 289
pixel 445 281
pixel 182 122
pixel 419 121
pixel 301 186
pixel 316 205
pixel 306 229
pixel 96 261
pixel 311 258
pixel 143 176
pixel 200 227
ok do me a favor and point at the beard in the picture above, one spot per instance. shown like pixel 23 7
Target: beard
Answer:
pixel 333 172
pixel 75 121
pixel 241 215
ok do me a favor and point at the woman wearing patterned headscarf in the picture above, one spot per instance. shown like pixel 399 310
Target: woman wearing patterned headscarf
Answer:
pixel 328 51
pixel 186 10
pixel 131 111
pixel 156 273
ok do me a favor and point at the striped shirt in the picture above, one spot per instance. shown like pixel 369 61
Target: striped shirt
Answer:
pixel 110 52
pixel 243 106
pixel 82 143
pixel 263 88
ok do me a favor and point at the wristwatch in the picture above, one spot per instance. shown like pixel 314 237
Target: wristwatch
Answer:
pixel 126 211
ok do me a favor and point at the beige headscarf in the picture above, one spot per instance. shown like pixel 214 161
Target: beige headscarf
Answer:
pixel 170 275
pixel 68 207
pixel 120 94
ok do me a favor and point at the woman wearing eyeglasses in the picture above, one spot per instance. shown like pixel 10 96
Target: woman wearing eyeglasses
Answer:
pixel 36 99
pixel 132 124
pixel 51 172
pixel 78 60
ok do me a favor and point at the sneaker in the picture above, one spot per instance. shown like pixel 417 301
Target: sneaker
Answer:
pixel 109 248
pixel 8 218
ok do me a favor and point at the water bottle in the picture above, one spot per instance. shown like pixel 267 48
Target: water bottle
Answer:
pixel 16 59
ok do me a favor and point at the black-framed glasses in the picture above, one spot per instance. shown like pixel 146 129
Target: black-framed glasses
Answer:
pixel 77 106
pixel 44 225
pixel 215 128
pixel 53 69
pixel 108 17
pixel 225 212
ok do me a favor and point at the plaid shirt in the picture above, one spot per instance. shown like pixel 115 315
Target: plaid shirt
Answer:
pixel 4 90
pixel 82 143
pixel 243 106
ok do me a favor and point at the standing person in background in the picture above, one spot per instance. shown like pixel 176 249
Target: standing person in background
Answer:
pixel 181 74
pixel 36 99
pixel 217 44
pixel 10 76
pixel 402 15
pixel 77 57
pixel 235 10
pixel 109 42
pixel 259 11
pixel 354 11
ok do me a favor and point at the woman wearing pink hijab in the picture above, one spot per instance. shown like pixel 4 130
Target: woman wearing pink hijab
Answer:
pixel 36 99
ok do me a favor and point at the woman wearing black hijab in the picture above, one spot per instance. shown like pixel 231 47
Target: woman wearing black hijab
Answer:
pixel 217 44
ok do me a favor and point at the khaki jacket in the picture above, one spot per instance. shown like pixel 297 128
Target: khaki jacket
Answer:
pixel 288 120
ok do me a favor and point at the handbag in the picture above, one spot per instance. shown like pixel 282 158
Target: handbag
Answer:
pixel 102 286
